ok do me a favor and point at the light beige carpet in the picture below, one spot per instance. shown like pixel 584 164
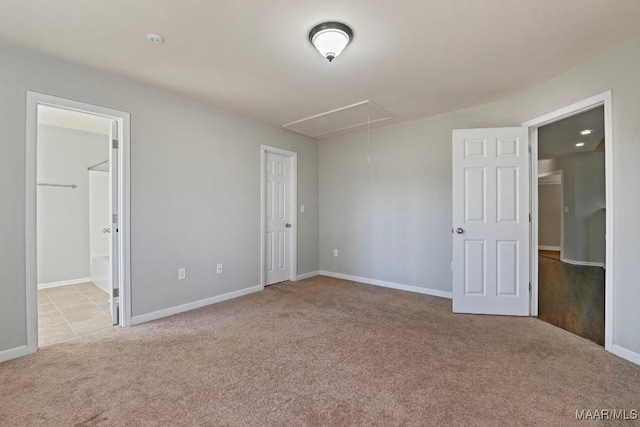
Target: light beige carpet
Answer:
pixel 320 352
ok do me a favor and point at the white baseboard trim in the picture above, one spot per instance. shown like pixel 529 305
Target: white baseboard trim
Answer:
pixel 13 353
pixel 408 288
pixel 63 283
pixel 631 356
pixel 307 275
pixel 584 263
pixel 550 248
pixel 154 315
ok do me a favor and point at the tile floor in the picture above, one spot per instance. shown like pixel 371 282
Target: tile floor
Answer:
pixel 67 312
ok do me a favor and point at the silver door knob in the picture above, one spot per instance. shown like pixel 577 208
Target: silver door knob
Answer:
pixel 288 225
pixel 459 230
pixel 106 230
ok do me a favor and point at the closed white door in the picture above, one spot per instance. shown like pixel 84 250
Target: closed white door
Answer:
pixel 113 216
pixel 278 223
pixel 491 221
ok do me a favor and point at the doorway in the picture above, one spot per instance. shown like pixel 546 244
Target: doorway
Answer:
pixel 77 219
pixel 575 290
pixel 571 285
pixel 278 222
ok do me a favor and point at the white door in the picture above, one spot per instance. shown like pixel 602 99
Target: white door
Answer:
pixel 113 216
pixel 491 221
pixel 278 223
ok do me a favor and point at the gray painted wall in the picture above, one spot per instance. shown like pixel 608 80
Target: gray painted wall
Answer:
pixel 584 195
pixel 181 144
pixel 63 213
pixel 195 183
pixel 401 201
pixel 549 214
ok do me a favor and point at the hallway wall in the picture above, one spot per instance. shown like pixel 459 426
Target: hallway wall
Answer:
pixel 550 215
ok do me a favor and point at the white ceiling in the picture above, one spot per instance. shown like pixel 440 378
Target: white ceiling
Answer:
pixel 412 58
pixel 68 119
pixel 559 139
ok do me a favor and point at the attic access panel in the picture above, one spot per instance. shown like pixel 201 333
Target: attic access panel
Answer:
pixel 350 117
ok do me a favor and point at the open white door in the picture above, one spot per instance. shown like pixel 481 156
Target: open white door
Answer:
pixel 491 221
pixel 278 221
pixel 113 215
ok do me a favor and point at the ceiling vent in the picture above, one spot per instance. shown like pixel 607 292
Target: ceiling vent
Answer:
pixel 332 122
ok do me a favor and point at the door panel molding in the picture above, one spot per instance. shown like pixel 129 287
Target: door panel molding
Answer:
pixel 490 228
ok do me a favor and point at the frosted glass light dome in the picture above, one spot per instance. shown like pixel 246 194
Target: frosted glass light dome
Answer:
pixel 330 38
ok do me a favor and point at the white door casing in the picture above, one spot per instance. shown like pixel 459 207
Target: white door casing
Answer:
pixel 123 246
pixel 601 99
pixel 491 228
pixel 278 221
pixel 114 298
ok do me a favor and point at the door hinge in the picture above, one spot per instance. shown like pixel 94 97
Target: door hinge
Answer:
pixel 529 149
pixel 114 218
pixel 116 292
pixel 529 217
pixel 114 144
pixel 529 286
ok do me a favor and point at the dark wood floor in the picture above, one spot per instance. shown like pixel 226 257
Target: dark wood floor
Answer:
pixel 550 254
pixel 571 297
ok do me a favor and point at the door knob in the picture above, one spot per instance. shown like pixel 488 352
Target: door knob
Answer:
pixel 106 230
pixel 288 225
pixel 459 230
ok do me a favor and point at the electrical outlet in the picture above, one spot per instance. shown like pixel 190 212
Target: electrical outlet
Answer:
pixel 335 252
pixel 219 269
pixel 301 208
pixel 182 273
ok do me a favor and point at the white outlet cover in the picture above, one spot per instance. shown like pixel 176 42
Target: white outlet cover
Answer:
pixel 182 274
pixel 335 252
pixel 219 269
pixel 301 208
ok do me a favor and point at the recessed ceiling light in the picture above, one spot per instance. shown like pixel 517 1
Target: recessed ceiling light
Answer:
pixel 579 144
pixel 155 38
pixel 330 38
pixel 586 132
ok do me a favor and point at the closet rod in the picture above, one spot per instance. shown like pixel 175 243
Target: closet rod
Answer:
pixel 72 186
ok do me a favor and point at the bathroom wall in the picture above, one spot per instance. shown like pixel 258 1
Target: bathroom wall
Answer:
pixel 63 213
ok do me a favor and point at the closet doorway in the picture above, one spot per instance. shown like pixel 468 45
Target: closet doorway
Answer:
pixel 77 263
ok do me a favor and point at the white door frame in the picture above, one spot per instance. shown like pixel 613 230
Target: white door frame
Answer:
pixel 124 197
pixel 561 173
pixel 602 99
pixel 293 209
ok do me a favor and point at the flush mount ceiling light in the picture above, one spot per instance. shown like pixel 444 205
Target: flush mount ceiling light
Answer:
pixel 330 38
pixel 579 144
pixel 586 132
